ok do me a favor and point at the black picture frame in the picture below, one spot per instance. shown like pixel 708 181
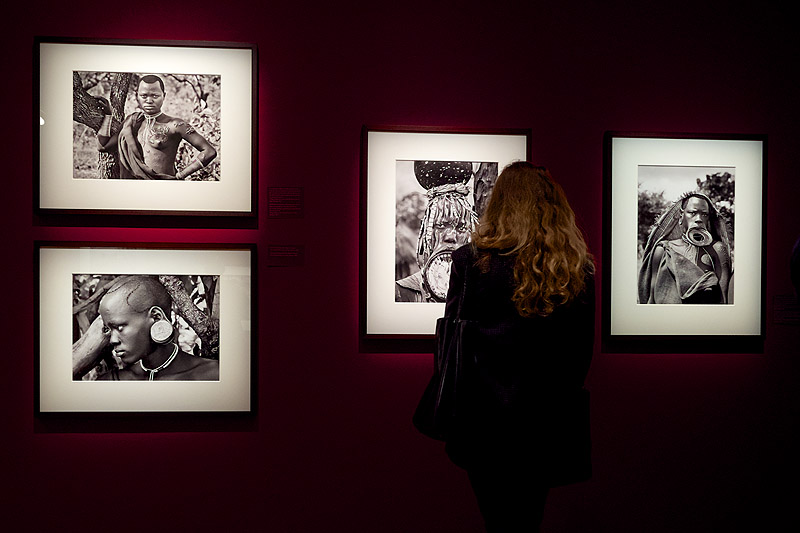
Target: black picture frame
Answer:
pixel 736 326
pixel 58 393
pixel 386 324
pixel 56 190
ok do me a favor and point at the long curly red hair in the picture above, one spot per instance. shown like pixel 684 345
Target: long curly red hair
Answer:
pixel 528 216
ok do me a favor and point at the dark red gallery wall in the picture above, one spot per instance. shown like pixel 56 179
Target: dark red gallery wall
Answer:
pixel 681 442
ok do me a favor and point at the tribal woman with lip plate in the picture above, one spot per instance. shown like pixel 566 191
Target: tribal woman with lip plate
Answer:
pixel 134 314
pixel 446 224
pixel 148 139
pixel 522 424
pixel 687 258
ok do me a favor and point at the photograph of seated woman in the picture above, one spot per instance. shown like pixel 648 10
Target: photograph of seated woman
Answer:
pixel 523 426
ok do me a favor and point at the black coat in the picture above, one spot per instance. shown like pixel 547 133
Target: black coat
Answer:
pixel 524 407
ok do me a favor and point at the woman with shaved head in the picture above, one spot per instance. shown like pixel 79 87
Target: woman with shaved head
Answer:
pixel 135 314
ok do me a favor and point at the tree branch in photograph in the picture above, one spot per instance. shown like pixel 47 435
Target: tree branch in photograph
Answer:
pixel 89 349
pixel 120 81
pixel 186 81
pixel 206 327
pixel 210 284
pixel 87 110
pixel 93 79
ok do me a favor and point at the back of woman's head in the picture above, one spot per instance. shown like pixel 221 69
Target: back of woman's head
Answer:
pixel 528 216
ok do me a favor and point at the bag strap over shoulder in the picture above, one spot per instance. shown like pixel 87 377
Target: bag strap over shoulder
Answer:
pixel 463 293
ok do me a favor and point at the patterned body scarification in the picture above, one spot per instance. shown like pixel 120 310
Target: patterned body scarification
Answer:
pixel 157 135
pixel 189 128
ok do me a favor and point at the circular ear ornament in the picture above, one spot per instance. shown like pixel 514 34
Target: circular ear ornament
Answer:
pixel 161 331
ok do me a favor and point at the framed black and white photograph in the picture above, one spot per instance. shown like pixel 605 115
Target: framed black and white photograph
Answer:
pixel 423 190
pixel 173 323
pixel 130 127
pixel 683 239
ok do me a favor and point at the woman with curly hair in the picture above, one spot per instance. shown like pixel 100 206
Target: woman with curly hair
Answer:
pixel 523 423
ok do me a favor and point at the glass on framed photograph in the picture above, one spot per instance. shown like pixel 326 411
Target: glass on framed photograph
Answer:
pixel 683 242
pixel 174 324
pixel 130 127
pixel 422 192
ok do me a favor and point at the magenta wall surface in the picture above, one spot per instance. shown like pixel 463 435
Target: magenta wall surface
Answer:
pixel 689 443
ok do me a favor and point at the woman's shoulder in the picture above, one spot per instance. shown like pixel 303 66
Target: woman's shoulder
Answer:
pixel 486 259
pixel 464 254
pixel 470 251
pixel 467 256
pixel 135 116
